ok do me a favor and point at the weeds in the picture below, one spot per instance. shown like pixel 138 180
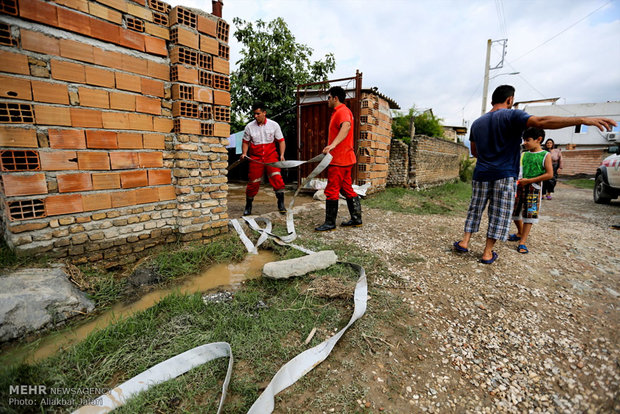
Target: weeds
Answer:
pixel 586 183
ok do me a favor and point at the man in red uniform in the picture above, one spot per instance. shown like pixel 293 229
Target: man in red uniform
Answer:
pixel 341 146
pixel 260 137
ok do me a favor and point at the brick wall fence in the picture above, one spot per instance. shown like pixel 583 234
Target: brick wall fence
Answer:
pixel 114 117
pixel 425 162
pixel 582 161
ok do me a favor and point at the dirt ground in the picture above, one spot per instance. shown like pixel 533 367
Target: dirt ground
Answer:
pixel 530 333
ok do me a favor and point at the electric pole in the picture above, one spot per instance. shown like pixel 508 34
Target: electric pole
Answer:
pixel 487 68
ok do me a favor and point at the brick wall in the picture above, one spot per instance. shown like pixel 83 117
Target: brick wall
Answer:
pixel 425 162
pixel 114 117
pixel 374 142
pixel 582 161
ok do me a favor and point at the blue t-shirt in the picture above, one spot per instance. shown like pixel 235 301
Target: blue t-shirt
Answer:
pixel 497 136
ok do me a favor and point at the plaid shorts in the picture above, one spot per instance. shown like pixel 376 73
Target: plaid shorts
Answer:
pixel 527 203
pixel 500 194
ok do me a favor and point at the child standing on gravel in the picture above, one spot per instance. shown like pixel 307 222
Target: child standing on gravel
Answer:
pixel 536 167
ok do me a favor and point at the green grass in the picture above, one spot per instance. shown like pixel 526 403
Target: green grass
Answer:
pixel 9 260
pixel 580 183
pixel 451 198
pixel 263 338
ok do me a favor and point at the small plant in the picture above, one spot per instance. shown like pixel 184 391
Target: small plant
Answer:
pixel 466 169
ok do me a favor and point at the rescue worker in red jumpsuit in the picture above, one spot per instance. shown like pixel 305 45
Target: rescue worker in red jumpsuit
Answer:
pixel 341 147
pixel 260 137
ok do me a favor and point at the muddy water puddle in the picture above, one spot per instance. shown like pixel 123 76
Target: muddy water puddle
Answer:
pixel 216 276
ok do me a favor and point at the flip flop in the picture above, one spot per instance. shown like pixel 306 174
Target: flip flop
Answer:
pixel 491 260
pixel 514 237
pixel 522 247
pixel 458 248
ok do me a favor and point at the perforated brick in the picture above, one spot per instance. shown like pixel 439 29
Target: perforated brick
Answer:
pixel 159 6
pixel 183 92
pixel 205 78
pixel 221 82
pixel 223 51
pixel 206 129
pixel 159 18
pixel 16 113
pixel 134 24
pixel 222 30
pixel 187 109
pixel 205 61
pixel 221 113
pixel 12 160
pixel 26 209
pixel 184 16
pixel 184 55
pixel 206 112
pixel 5 35
pixel 8 7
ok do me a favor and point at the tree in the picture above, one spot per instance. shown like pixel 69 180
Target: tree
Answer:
pixel 425 122
pixel 271 67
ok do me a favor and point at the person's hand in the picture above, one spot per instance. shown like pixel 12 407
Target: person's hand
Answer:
pixel 243 156
pixel 327 149
pixel 602 123
pixel 559 170
pixel 282 157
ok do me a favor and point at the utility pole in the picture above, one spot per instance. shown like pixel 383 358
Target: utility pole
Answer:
pixel 487 68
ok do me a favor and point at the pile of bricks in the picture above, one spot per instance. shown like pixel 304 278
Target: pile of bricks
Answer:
pixel 114 117
pixel 374 142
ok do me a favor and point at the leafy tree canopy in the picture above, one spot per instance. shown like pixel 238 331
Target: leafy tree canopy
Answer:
pixel 424 121
pixel 271 67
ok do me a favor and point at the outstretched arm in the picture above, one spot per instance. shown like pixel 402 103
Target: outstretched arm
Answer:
pixel 557 122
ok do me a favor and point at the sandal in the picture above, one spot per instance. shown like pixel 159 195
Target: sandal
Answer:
pixel 514 237
pixel 491 260
pixel 522 248
pixel 458 248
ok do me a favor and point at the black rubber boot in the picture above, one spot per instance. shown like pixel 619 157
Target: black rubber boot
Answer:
pixel 355 208
pixel 280 197
pixel 248 206
pixel 331 212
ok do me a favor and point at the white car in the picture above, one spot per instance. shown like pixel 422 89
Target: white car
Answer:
pixel 607 181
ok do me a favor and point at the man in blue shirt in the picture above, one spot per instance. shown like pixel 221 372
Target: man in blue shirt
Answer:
pixel 495 142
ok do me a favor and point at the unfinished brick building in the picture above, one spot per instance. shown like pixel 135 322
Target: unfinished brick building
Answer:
pixel 114 117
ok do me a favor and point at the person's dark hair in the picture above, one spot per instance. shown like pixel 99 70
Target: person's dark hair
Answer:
pixel 552 141
pixel 501 93
pixel 337 92
pixel 259 105
pixel 533 132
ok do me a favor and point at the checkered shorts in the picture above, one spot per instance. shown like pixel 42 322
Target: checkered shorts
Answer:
pixel 500 194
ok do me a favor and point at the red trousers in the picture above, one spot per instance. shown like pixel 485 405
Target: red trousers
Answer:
pixel 339 180
pixel 255 174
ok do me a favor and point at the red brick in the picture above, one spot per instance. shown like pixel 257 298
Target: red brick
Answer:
pixel 158 70
pixel 97 201
pixel 93 161
pixel 18 137
pixel 116 4
pixel 106 181
pixel 38 42
pixel 86 118
pixel 14 63
pixel 99 77
pixel 221 98
pixel 123 198
pixel 140 122
pixel 73 21
pixel 15 88
pixel 209 45
pixel 38 11
pixel 94 97
pixel 115 120
pixel 81 5
pixel 221 66
pixel 150 159
pixel 66 139
pixel 58 160
pixel 152 87
pixel 147 195
pixel 166 193
pixel 159 177
pixel 157 30
pixel 155 45
pixel 123 101
pixel 131 179
pixel 203 94
pixel 207 26
pixel 52 115
pixel 18 185
pixel 76 50
pixel 63 204
pixel 107 58
pixel 132 40
pixel 162 124
pixel 127 82
pixel 106 31
pixel 50 92
pixel 153 141
pixel 189 126
pixel 129 140
pixel 123 160
pixel 221 130
pixel 67 71
pixel 148 105
pixel 186 37
pixel 101 139
pixel 134 65
pixel 69 183
pixel 187 75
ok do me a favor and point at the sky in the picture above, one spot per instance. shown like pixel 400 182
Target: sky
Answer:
pixel 431 54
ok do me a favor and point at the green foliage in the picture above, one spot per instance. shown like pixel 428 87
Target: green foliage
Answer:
pixel 271 67
pixel 425 124
pixel 466 169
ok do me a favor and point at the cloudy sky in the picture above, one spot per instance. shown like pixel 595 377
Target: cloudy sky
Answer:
pixel 431 54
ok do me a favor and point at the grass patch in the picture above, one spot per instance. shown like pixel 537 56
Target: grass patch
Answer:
pixel 9 260
pixel 580 183
pixel 450 198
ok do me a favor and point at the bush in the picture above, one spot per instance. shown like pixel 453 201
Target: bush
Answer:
pixel 466 169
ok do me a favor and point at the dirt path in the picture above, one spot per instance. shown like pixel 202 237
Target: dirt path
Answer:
pixel 530 333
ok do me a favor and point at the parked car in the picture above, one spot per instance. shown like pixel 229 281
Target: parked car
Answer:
pixel 607 181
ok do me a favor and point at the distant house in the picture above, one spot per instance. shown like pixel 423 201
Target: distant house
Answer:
pixel 455 133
